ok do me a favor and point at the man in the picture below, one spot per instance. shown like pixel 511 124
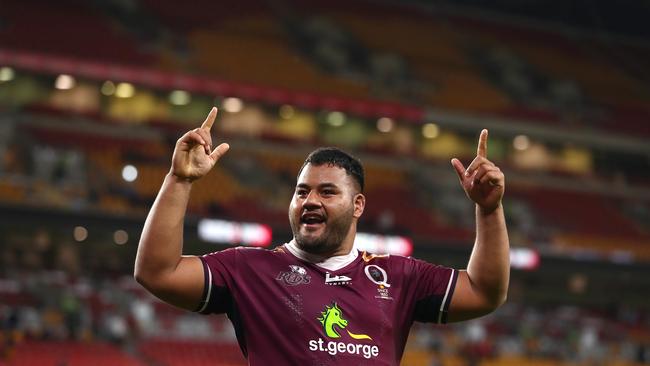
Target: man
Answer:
pixel 316 300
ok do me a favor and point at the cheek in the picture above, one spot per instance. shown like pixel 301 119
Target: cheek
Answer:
pixel 293 206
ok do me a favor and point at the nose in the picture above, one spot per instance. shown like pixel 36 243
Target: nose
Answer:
pixel 312 201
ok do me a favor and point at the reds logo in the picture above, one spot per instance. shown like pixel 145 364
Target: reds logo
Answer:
pixel 297 276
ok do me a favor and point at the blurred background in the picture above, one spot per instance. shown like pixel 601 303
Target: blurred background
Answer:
pixel 94 94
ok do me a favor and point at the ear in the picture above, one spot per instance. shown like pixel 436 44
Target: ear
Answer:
pixel 359 205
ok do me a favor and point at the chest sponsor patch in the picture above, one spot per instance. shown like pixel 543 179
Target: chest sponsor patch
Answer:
pixel 333 323
pixel 337 280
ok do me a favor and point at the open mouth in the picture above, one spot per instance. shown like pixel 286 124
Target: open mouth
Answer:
pixel 312 219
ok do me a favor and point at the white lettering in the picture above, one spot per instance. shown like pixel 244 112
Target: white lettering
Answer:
pixel 334 348
pixel 331 348
pixel 366 351
pixel 341 347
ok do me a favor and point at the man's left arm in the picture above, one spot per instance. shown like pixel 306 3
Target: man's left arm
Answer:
pixel 483 286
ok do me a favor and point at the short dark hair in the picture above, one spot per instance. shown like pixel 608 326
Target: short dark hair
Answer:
pixel 339 158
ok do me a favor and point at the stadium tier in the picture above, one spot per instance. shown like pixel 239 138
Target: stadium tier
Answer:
pixel 451 62
pixel 79 164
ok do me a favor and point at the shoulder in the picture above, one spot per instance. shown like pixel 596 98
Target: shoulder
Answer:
pixel 240 260
pixel 397 263
pixel 370 258
pixel 248 253
pixel 389 262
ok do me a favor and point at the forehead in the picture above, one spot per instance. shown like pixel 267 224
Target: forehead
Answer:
pixel 314 175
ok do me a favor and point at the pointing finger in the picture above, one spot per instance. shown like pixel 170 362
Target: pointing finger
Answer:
pixel 209 120
pixel 482 144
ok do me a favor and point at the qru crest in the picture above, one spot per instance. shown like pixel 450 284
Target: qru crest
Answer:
pixel 296 276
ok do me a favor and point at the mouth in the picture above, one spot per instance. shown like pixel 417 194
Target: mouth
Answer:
pixel 312 220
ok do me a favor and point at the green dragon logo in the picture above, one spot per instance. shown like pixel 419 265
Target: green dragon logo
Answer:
pixel 331 318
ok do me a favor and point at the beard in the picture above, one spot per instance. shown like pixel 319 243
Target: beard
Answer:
pixel 331 238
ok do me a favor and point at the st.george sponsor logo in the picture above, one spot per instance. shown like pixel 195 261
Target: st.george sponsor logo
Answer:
pixel 332 321
pixel 334 348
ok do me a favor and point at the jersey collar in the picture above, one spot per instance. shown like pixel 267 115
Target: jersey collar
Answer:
pixel 332 263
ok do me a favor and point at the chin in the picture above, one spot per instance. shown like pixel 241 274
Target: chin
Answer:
pixel 313 245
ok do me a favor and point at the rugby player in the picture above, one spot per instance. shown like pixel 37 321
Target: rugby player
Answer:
pixel 316 300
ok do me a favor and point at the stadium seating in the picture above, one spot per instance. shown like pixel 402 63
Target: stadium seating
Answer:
pixel 245 185
pixel 71 28
pixel 37 353
pixel 249 46
pixel 192 353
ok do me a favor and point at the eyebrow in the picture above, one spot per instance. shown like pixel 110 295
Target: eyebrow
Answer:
pixel 322 185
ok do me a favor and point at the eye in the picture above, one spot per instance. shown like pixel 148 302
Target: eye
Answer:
pixel 301 192
pixel 328 192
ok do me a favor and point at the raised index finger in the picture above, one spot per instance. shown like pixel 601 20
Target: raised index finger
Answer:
pixel 481 150
pixel 209 120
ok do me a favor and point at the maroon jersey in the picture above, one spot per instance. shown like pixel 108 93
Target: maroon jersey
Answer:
pixel 287 311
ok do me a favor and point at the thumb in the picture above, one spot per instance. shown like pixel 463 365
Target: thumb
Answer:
pixel 219 151
pixel 459 168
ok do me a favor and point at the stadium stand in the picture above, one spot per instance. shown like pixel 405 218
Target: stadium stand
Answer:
pixel 305 75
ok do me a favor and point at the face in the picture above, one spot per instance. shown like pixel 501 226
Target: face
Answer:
pixel 325 204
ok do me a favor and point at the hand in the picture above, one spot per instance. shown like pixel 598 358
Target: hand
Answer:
pixel 193 155
pixel 483 182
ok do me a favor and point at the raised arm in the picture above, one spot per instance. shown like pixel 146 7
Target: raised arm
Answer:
pixel 159 265
pixel 484 285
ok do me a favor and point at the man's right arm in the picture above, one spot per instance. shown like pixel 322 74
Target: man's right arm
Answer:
pixel 160 266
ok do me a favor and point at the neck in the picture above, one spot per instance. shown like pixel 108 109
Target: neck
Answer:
pixel 329 262
pixel 348 242
pixel 320 257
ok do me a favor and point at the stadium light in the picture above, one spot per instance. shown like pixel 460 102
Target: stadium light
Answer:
pixel 108 88
pixel 79 233
pixel 521 142
pixel 287 112
pixel 336 119
pixel 6 74
pixel 430 130
pixel 242 233
pixel 120 237
pixel 180 97
pixel 232 105
pixel 129 173
pixel 385 124
pixel 124 90
pixel 64 82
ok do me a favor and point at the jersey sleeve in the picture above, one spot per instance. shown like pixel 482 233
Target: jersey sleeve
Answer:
pixel 218 275
pixel 434 287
